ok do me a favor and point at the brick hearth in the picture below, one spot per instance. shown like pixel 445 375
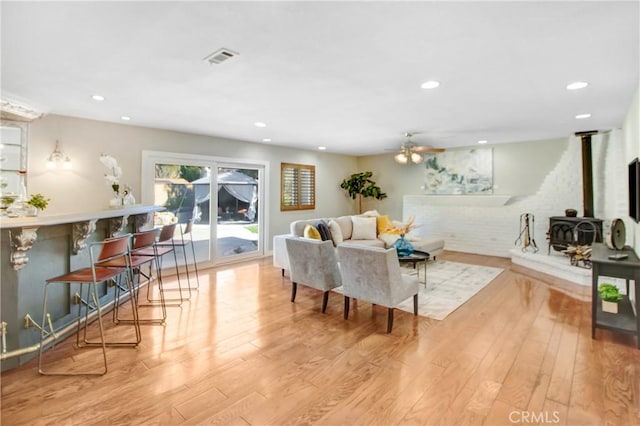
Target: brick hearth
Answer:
pixel 553 264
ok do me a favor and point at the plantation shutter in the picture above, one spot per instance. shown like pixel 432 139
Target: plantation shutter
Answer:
pixel 298 190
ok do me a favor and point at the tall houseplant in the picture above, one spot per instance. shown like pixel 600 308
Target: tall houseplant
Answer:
pixel 360 185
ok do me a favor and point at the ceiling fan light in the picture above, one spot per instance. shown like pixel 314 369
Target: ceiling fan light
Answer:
pixel 416 158
pixel 401 158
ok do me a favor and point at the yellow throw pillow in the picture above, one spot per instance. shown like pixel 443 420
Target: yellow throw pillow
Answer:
pixel 312 233
pixel 382 223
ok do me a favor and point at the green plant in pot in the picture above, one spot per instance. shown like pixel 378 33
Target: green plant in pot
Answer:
pixel 36 203
pixel 610 295
pixel 360 185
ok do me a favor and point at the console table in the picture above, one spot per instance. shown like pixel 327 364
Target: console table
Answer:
pixel 627 319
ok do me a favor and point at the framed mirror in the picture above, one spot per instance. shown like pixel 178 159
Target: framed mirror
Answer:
pixel 14 136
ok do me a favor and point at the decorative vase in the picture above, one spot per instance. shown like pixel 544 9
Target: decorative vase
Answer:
pixel 403 246
pixel 116 201
pixel 128 199
pixel 31 211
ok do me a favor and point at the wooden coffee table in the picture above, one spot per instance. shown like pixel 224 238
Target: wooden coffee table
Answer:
pixel 414 258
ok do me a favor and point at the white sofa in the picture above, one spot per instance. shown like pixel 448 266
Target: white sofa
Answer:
pixel 353 230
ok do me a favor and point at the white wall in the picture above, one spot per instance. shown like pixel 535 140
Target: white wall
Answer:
pixel 518 169
pixel 84 187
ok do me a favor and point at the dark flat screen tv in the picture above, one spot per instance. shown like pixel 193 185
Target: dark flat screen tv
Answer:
pixel 634 190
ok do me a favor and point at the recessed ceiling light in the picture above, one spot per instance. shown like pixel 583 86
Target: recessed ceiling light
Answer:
pixel 125 118
pixel 482 142
pixel 581 116
pixel 98 98
pixel 322 148
pixel 577 85
pixel 266 140
pixel 259 124
pixel 431 84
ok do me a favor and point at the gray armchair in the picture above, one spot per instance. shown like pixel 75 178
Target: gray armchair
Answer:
pixel 313 264
pixel 373 274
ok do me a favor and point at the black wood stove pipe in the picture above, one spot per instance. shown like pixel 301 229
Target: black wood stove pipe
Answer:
pixel 587 172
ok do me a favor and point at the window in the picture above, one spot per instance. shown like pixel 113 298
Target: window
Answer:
pixel 298 187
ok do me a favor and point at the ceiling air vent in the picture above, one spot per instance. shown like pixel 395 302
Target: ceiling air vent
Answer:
pixel 220 56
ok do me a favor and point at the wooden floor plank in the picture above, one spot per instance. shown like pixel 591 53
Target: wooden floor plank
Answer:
pixel 586 404
pixel 432 406
pixel 562 375
pixel 539 394
pixel 401 395
pixel 239 352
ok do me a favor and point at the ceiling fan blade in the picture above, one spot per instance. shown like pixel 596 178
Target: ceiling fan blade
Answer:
pixel 427 149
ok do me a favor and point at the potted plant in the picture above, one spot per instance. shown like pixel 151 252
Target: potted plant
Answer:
pixel 35 203
pixel 360 185
pixel 610 296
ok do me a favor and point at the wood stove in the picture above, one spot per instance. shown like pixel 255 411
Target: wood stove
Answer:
pixel 565 231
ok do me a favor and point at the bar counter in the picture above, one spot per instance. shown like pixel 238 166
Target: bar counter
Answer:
pixel 45 219
pixel 33 249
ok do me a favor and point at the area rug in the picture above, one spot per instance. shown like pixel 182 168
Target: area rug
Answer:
pixel 449 286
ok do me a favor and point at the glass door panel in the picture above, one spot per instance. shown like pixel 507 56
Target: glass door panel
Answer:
pixel 184 190
pixel 238 222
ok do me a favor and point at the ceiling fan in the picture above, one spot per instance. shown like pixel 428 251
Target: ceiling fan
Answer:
pixel 410 153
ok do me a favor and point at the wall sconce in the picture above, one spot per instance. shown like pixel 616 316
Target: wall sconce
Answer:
pixel 57 160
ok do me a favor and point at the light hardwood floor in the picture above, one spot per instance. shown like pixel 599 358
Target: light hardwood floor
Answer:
pixel 519 352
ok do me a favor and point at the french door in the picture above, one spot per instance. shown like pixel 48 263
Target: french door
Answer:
pixel 222 196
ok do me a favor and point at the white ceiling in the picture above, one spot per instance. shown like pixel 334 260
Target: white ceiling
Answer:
pixel 345 75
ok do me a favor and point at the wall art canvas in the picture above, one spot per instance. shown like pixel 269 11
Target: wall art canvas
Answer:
pixel 459 172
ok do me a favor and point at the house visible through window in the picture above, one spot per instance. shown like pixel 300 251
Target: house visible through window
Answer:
pixel 298 187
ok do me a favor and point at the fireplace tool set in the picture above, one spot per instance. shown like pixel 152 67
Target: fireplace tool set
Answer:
pixel 527 231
